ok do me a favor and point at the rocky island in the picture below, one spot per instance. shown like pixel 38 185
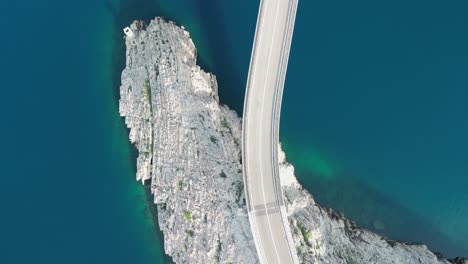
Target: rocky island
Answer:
pixel 190 153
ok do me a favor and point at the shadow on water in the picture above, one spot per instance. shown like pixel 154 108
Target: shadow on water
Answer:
pixel 222 65
pixel 227 74
pixel 358 201
pixel 372 210
pixel 123 15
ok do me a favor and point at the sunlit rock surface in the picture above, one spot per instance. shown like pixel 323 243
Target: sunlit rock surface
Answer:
pixel 189 151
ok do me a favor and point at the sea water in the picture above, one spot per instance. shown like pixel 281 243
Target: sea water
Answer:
pixel 373 119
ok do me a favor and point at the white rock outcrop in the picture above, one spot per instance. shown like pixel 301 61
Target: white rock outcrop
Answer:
pixel 189 149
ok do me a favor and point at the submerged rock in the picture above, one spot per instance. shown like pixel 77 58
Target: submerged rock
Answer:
pixel 189 150
pixel 378 224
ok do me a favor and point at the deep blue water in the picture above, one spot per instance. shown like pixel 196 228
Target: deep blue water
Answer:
pixel 374 119
pixel 375 115
pixel 68 193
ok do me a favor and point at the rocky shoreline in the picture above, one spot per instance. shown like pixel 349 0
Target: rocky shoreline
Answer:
pixel 189 148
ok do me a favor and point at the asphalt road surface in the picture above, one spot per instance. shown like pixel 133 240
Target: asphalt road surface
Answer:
pixel 261 128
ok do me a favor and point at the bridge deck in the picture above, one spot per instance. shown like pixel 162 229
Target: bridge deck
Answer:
pixel 260 131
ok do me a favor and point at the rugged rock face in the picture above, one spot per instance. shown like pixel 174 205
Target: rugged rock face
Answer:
pixel 188 145
pixel 323 236
pixel 189 149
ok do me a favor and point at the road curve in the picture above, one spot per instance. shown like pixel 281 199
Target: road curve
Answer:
pixel 260 131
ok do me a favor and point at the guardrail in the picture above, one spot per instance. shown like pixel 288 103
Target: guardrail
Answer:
pixel 276 122
pixel 274 130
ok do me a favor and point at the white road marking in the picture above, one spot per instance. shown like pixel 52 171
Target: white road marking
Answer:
pixel 272 241
pixel 261 123
pixel 259 134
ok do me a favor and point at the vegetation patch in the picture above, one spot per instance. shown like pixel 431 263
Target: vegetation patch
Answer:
pixel 307 234
pixel 201 117
pixel 219 247
pixel 239 192
pixel 179 185
pixel 225 124
pixel 147 90
pixel 213 139
pixel 188 215
pixel 152 145
pixel 222 174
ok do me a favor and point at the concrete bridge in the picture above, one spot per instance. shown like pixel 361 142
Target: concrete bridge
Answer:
pixel 260 135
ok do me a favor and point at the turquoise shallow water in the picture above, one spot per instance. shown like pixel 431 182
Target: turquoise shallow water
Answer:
pixel 68 193
pixel 374 120
pixel 378 128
